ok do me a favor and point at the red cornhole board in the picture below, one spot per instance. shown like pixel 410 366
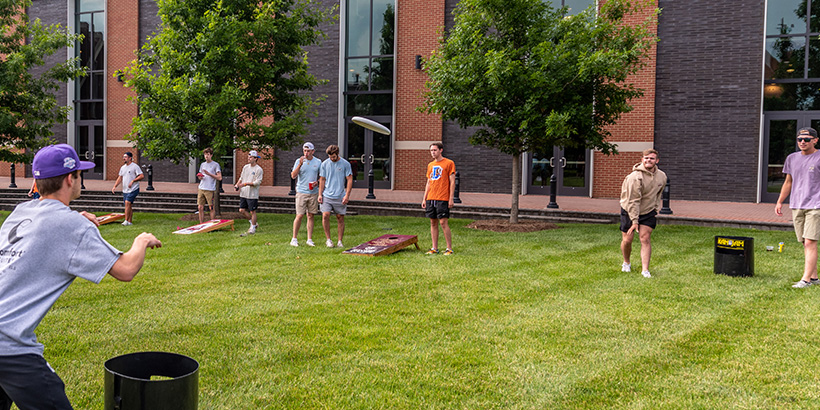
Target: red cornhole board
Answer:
pixel 208 226
pixel 384 245
pixel 107 219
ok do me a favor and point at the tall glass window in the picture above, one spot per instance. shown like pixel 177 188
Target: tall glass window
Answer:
pixel 792 69
pixel 90 22
pixel 369 86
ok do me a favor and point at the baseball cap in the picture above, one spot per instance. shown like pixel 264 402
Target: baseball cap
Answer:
pixel 308 145
pixel 254 154
pixel 807 131
pixel 55 160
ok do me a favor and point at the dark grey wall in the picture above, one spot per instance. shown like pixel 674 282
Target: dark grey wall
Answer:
pixel 707 113
pixel 480 169
pixel 324 64
pixel 53 12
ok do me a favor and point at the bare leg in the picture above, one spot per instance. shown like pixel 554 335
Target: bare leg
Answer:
pixel 129 211
pixel 626 246
pixel 310 226
pixel 810 251
pixel 326 224
pixel 340 219
pixel 297 222
pixel 434 232
pixel 445 227
pixel 646 246
pixel 201 213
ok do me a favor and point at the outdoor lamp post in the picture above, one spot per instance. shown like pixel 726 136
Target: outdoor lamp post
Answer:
pixel 370 126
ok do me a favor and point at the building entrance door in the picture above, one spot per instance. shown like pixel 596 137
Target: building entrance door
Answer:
pixel 91 146
pixel 368 150
pixel 571 170
pixel 780 140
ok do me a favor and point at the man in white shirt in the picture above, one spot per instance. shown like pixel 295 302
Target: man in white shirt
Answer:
pixel 249 181
pixel 209 173
pixel 130 176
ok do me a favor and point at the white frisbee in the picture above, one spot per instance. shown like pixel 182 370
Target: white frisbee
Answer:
pixel 371 125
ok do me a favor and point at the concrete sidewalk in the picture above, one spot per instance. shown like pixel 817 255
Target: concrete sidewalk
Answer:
pixel 692 211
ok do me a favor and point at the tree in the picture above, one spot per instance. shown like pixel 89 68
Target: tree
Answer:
pixel 532 77
pixel 28 106
pixel 226 74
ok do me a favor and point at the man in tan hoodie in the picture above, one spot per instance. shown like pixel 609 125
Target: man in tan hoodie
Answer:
pixel 640 202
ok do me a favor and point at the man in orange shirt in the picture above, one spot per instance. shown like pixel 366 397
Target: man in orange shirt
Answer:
pixel 438 196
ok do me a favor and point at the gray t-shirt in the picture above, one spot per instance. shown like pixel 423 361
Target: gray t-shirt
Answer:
pixel 805 172
pixel 208 183
pixel 128 174
pixel 44 245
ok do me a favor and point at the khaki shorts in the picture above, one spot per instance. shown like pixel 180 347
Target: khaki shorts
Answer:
pixel 806 223
pixel 204 197
pixel 307 204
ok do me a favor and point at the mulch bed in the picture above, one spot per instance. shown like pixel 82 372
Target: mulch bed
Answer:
pixel 504 225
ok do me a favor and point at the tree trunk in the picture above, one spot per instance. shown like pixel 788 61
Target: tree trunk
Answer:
pixel 516 188
pixel 217 208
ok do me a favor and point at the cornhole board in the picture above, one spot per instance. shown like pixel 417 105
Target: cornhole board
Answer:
pixel 208 226
pixel 107 219
pixel 384 245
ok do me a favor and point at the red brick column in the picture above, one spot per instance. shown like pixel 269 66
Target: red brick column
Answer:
pixel 419 22
pixel 122 40
pixel 636 128
pixel 241 158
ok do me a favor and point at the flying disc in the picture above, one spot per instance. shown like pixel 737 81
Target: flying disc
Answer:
pixel 371 125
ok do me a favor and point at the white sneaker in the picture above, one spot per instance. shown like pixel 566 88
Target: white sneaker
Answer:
pixel 329 243
pixel 310 242
pixel 252 229
pixel 339 244
pixel 626 267
pixel 646 274
pixel 126 223
pixel 294 242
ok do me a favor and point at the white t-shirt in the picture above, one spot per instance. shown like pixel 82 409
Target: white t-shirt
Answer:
pixel 128 174
pixel 44 246
pixel 253 176
pixel 208 183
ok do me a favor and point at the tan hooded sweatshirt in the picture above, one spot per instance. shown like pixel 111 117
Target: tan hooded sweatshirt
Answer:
pixel 641 191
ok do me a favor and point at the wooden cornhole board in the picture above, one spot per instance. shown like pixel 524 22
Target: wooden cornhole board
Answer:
pixel 107 219
pixel 209 226
pixel 384 245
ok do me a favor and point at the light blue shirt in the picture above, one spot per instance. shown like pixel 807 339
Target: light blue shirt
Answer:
pixel 335 174
pixel 307 174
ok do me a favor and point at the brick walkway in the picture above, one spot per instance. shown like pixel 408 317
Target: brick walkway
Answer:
pixel 701 210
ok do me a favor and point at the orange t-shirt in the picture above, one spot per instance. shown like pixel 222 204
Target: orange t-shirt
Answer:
pixel 438 173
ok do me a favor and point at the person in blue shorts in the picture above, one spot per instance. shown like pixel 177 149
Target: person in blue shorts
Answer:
pixel 130 176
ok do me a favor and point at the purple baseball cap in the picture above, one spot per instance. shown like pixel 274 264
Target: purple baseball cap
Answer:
pixel 56 160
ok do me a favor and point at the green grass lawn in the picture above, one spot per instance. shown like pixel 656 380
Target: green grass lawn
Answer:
pixel 541 320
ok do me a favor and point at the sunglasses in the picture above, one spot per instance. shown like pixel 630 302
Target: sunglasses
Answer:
pixel 805 139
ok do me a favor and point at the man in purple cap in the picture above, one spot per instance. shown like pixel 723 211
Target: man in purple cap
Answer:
pixel 44 246
pixel 802 169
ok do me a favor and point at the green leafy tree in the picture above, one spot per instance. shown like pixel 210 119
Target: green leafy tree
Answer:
pixel 226 74
pixel 28 106
pixel 532 77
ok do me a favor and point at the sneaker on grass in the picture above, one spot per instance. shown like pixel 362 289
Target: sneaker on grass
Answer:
pixel 802 284
pixel 646 274
pixel 329 243
pixel 626 267
pixel 126 223
pixel 448 251
pixel 294 242
pixel 339 244
pixel 309 242
pixel 432 252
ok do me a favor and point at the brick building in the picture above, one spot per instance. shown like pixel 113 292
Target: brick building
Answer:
pixel 723 98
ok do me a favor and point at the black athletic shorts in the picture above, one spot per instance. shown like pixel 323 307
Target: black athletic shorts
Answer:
pixel 437 209
pixel 249 204
pixel 645 219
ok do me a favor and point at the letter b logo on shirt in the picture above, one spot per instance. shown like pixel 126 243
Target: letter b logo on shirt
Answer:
pixel 435 174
